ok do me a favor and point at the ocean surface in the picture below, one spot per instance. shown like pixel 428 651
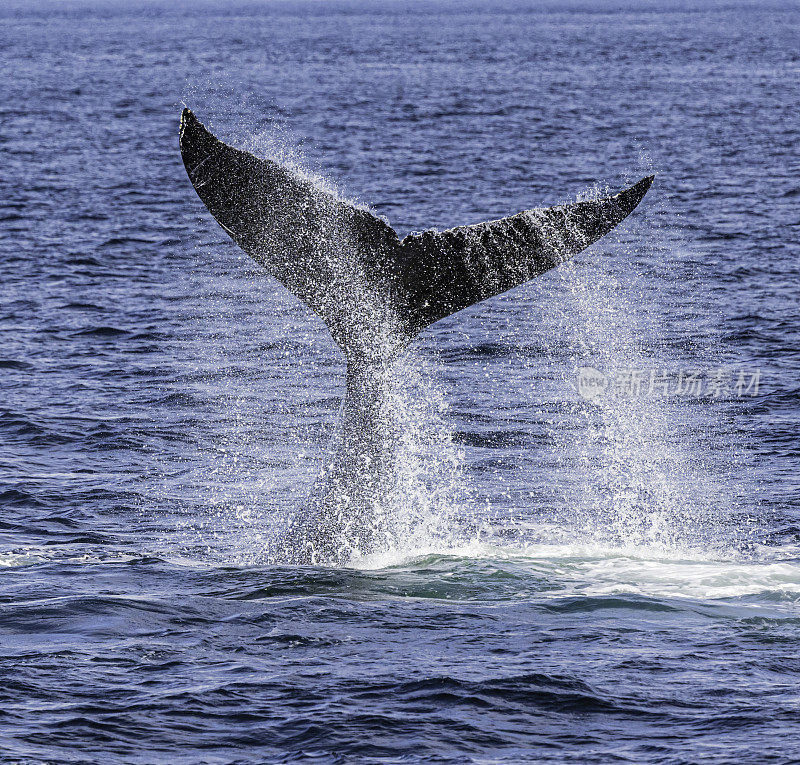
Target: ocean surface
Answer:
pixel 587 575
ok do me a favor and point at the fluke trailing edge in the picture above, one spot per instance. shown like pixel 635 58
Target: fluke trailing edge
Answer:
pixel 330 254
pixel 375 292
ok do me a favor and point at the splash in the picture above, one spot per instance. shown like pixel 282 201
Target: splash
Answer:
pixel 392 475
pixel 426 492
pixel 641 480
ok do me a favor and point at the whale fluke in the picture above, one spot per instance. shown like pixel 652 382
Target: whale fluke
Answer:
pixel 375 292
pixel 319 246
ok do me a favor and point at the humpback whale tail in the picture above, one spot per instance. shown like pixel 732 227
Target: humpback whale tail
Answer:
pixel 375 292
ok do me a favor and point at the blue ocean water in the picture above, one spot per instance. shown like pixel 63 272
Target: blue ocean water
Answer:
pixel 571 579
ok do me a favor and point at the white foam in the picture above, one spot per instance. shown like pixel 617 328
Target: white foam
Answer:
pixel 596 571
